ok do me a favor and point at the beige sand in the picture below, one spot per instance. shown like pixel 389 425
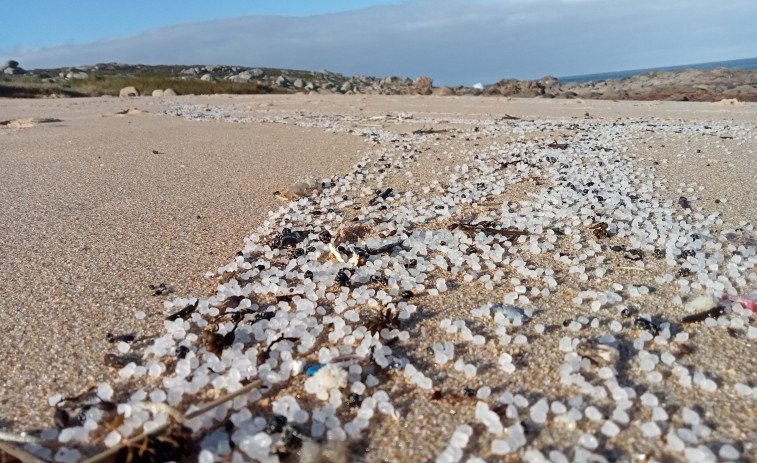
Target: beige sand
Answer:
pixel 96 207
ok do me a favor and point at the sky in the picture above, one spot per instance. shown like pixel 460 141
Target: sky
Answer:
pixel 455 42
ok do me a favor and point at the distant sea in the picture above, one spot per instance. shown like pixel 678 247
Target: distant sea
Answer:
pixel 748 63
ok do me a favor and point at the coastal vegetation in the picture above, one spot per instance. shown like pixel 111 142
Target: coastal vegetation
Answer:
pixel 100 85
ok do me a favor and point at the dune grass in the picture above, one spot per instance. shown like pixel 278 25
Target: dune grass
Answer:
pixel 111 85
pixel 21 89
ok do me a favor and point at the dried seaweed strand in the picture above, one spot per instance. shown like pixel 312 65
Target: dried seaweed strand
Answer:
pixel 714 312
pixel 104 456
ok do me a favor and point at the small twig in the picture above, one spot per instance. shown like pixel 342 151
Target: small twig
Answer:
pixel 14 450
pixel 425 131
pixel 495 231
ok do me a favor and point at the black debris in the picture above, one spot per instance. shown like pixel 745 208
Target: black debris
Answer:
pixel 183 313
pixel 354 400
pixel 383 195
pixel 120 338
pixel 161 289
pixel 182 351
pixel 648 325
pixel 342 278
pixel 276 424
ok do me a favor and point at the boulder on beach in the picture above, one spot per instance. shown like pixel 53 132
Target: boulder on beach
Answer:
pixel 443 91
pixel 128 92
pixel 169 92
pixel 157 92
pixel 422 85
pixel 728 102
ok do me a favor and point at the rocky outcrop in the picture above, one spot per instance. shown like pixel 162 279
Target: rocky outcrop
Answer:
pixel 77 75
pixel 11 68
pixel 685 85
pixel 513 87
pixel 689 84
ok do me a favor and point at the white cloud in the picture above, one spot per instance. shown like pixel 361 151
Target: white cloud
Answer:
pixel 456 42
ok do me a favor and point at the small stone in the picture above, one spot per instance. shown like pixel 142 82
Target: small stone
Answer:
pixel 728 452
pixel 610 429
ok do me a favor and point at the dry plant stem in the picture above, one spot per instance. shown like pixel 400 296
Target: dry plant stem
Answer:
pixel 107 454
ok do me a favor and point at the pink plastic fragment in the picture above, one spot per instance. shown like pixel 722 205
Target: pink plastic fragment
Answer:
pixel 744 302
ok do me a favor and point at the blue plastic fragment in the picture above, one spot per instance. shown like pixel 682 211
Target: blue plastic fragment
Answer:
pixel 311 371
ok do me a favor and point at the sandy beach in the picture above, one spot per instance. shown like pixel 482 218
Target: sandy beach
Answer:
pixel 118 212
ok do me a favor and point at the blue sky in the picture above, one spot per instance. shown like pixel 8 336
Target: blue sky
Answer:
pixel 453 41
pixel 55 22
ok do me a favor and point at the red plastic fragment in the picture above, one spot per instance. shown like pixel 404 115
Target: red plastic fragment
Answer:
pixel 744 302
